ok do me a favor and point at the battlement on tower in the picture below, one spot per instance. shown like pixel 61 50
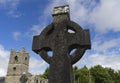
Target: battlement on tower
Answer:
pixel 21 57
pixel 18 62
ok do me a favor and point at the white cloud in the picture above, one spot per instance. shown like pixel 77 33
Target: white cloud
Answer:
pixel 34 30
pixel 103 45
pixel 11 7
pixel 10 3
pixel 4 58
pixel 37 66
pixel 16 35
pixel 106 60
pixel 4 2
pixel 14 13
pixel 106 16
pixel 112 61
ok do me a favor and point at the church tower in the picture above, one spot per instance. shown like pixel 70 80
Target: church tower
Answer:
pixel 18 64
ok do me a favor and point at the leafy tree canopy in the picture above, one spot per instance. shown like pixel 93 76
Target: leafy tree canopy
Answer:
pixel 96 74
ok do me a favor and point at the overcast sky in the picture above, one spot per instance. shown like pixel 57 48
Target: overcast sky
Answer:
pixel 21 19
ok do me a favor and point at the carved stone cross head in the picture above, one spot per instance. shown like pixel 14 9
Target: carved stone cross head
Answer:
pixel 57 38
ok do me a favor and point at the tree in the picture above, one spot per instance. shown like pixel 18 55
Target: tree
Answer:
pixel 101 75
pixel 116 76
pixel 76 73
pixel 45 74
pixel 82 75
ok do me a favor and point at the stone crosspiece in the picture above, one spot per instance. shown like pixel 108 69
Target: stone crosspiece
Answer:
pixel 56 37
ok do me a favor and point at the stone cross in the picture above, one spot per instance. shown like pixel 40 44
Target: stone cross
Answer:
pixel 61 37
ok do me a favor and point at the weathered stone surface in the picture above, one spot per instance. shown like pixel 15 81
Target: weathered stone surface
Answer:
pixel 57 38
pixel 37 79
pixel 61 10
pixel 23 78
pixel 18 63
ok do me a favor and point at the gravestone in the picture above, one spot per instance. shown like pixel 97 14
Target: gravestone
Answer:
pixel 23 78
pixel 61 37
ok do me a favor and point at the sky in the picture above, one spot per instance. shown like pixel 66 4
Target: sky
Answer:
pixel 20 20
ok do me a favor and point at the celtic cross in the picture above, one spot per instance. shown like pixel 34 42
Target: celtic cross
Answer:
pixel 56 37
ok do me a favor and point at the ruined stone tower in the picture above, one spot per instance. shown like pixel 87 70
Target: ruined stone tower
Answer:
pixel 18 64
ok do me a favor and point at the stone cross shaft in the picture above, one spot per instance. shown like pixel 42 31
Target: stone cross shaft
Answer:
pixel 61 37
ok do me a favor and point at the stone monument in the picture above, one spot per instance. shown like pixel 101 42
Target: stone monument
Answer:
pixel 61 37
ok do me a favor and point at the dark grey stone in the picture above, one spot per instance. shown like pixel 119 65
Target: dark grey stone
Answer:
pixel 23 78
pixel 56 37
pixel 2 79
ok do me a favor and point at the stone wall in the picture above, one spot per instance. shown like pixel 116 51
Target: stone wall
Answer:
pixel 37 79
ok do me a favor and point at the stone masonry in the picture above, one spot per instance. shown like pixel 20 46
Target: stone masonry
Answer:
pixel 19 64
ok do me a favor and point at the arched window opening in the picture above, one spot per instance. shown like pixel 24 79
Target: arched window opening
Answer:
pixel 25 58
pixel 16 58
pixel 14 68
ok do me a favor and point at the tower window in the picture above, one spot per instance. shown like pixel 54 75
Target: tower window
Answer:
pixel 25 58
pixel 14 68
pixel 16 58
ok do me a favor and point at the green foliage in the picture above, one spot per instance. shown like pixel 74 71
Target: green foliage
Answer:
pixel 45 74
pixel 116 76
pixel 101 75
pixel 83 75
pixel 96 74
